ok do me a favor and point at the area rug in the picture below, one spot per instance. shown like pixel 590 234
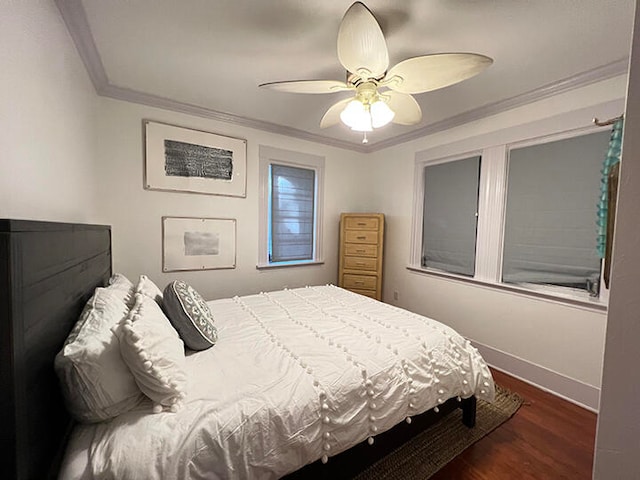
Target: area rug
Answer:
pixel 429 451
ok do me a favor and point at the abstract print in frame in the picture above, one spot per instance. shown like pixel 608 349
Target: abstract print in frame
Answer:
pixel 184 160
pixel 198 243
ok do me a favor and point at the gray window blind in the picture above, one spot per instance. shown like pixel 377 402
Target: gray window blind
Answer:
pixel 449 216
pixel 552 196
pixel 292 213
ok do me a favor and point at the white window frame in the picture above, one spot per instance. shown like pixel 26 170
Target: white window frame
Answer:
pixel 494 151
pixel 272 155
pixel 419 207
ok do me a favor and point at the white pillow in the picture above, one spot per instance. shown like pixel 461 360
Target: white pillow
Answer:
pixel 95 381
pixel 123 286
pixel 154 352
pixel 147 287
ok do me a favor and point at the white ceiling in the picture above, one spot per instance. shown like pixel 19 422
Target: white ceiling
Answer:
pixel 208 57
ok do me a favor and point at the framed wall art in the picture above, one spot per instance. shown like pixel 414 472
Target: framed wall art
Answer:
pixel 198 243
pixel 184 160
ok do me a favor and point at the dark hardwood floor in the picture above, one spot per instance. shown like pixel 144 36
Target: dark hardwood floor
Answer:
pixel 548 438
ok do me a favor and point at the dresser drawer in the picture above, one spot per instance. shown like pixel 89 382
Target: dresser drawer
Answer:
pixel 367 282
pixel 359 236
pixel 361 223
pixel 361 250
pixel 361 263
pixel 366 293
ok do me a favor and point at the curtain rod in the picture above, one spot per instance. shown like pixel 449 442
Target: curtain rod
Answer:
pixel 611 121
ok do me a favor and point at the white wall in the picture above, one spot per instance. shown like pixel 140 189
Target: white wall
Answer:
pixel 618 434
pixel 135 214
pixel 557 346
pixel 68 155
pixel 47 113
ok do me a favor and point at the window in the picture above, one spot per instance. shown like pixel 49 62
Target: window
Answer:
pixel 290 208
pixel 521 216
pixel 291 213
pixel 450 216
pixel 551 209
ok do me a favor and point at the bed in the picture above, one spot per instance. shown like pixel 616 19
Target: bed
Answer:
pixel 296 378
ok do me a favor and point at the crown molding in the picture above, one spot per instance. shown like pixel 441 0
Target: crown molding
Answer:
pixel 135 96
pixel 75 19
pixel 77 24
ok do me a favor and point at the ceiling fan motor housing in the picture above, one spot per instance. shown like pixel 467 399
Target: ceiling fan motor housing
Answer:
pixel 367 93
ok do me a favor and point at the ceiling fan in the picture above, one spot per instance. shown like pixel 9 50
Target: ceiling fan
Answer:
pixel 382 94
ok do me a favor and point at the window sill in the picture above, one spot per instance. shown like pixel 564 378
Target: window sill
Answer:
pixel 267 266
pixel 539 293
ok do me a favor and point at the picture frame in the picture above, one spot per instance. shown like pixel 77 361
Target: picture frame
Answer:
pixel 184 160
pixel 192 243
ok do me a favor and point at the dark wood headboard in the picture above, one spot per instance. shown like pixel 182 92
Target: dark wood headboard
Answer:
pixel 47 273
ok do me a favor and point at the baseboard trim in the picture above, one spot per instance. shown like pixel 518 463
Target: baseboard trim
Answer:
pixel 574 391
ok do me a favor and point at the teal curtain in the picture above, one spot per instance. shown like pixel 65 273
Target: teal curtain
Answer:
pixel 613 157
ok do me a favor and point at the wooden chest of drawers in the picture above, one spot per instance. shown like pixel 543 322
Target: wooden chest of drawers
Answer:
pixel 361 245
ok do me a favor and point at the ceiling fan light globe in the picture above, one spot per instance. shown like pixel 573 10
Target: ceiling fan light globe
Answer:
pixel 354 114
pixel 364 125
pixel 381 114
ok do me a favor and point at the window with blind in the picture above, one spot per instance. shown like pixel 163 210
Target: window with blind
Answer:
pixel 290 225
pixel 520 216
pixel 551 209
pixel 291 213
pixel 450 216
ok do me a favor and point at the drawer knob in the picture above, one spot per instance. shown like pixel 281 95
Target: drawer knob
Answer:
pixel 361 237
pixel 360 251
pixel 361 224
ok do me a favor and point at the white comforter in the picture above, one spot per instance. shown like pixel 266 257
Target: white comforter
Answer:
pixel 295 375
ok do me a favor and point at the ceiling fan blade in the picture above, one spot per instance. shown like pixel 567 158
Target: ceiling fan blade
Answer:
pixel 332 117
pixel 308 86
pixel 361 46
pixel 406 108
pixel 431 72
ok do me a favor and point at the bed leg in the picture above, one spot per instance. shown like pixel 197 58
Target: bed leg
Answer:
pixel 469 411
